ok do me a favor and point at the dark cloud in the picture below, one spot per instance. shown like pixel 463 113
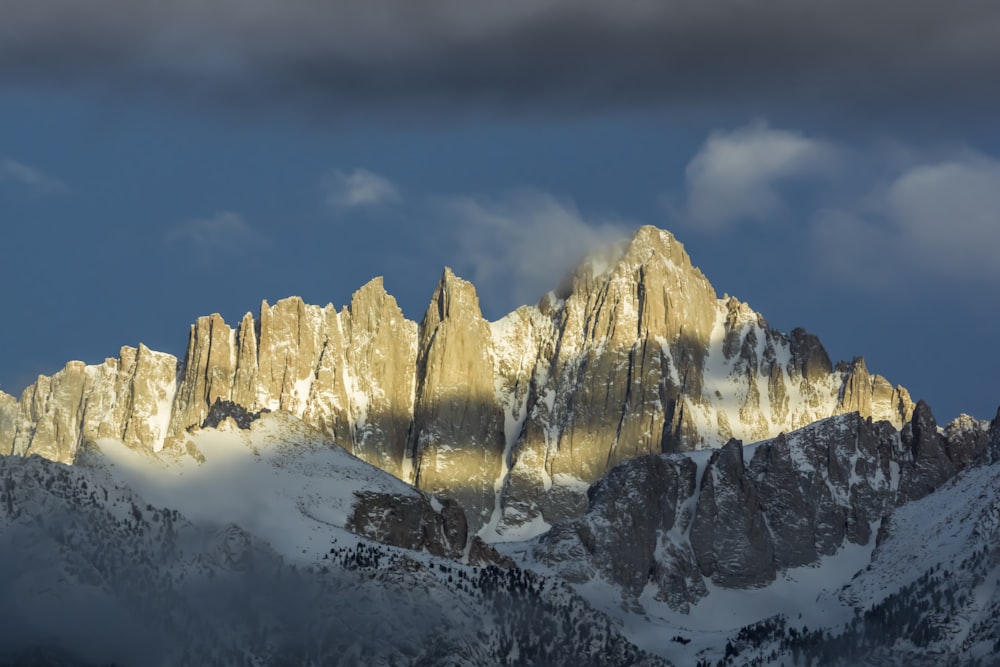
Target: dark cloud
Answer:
pixel 916 55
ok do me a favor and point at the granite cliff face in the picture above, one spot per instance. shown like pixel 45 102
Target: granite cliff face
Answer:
pixel 738 516
pixel 634 355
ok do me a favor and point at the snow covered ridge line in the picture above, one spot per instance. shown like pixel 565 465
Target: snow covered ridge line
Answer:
pixel 633 356
pixel 667 529
pixel 707 547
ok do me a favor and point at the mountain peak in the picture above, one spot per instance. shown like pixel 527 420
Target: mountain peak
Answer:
pixel 452 294
pixel 648 236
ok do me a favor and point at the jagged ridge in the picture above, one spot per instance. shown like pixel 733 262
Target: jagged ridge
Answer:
pixel 634 355
pixel 737 516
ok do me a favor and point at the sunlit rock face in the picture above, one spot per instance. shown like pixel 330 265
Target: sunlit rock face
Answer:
pixel 633 355
pixel 636 355
pixel 129 398
pixel 664 524
pixel 457 433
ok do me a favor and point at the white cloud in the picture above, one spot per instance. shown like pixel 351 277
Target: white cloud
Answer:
pixel 31 178
pixel 937 219
pixel 935 216
pixel 735 175
pixel 521 246
pixel 224 234
pixel 357 189
pixel 948 214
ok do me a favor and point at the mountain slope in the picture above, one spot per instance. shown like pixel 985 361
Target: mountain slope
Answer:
pixel 753 541
pixel 96 571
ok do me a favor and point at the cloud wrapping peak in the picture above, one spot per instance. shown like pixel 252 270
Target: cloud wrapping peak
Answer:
pixel 733 177
pixel 521 246
pixel 357 189
pixel 565 55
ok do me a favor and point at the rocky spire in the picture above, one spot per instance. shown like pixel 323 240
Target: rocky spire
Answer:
pixel 380 363
pixel 457 435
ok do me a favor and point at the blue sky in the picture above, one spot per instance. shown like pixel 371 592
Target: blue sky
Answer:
pixel 161 162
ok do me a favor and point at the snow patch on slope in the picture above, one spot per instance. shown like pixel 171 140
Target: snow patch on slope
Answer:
pixel 939 529
pixel 281 481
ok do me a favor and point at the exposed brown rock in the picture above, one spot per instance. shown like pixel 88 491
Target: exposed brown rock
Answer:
pixel 8 423
pixel 381 357
pixel 410 522
pixel 457 437
pixel 872 395
pixel 633 355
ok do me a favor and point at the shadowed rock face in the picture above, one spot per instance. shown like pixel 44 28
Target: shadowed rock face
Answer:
pixel 729 537
pixel 413 522
pixel 410 522
pixel 633 355
pixel 743 514
pixel 992 453
pixel 222 410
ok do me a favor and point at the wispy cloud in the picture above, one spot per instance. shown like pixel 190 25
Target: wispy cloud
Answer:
pixel 33 179
pixel 908 57
pixel 359 188
pixel 937 219
pixel 735 176
pixel 520 246
pixel 225 234
pixel 932 215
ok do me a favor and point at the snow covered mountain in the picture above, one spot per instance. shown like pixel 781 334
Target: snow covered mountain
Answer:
pixel 745 544
pixel 635 354
pixel 238 551
pixel 567 485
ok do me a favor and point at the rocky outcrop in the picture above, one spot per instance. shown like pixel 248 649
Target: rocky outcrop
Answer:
pixel 421 523
pixel 128 398
pixel 411 522
pixel 872 395
pixel 756 510
pixel 966 440
pixel 729 536
pixel 8 422
pixel 992 452
pixel 928 451
pixel 227 410
pixel 633 355
pixel 639 502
